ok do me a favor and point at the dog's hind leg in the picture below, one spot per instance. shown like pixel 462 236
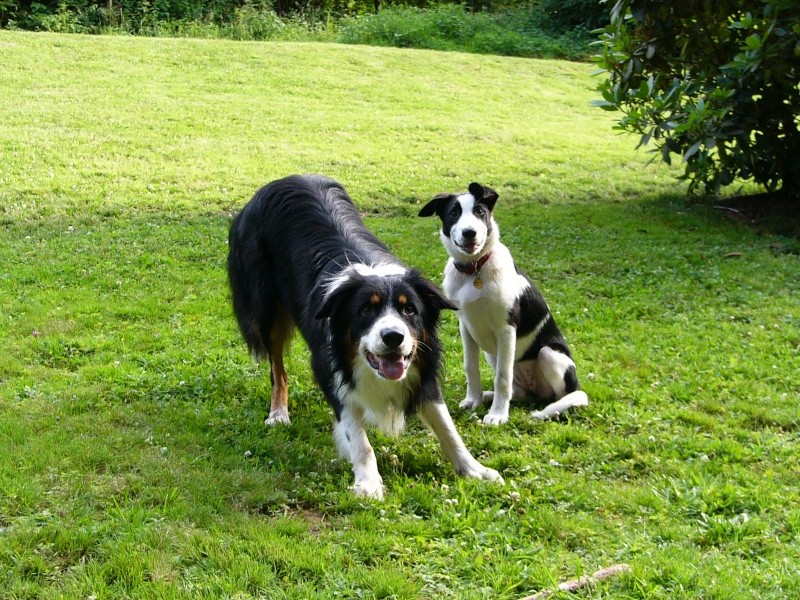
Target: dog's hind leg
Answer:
pixel 559 371
pixel 279 336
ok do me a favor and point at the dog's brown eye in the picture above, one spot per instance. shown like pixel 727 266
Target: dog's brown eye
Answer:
pixel 479 211
pixel 409 310
pixel 367 310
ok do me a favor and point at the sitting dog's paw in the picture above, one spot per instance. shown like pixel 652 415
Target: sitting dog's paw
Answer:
pixel 470 403
pixel 495 418
pixel 278 417
pixel 576 398
pixel 367 488
pixel 473 403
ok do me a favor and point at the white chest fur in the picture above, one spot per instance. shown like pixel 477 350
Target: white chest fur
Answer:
pixel 484 311
pixel 382 402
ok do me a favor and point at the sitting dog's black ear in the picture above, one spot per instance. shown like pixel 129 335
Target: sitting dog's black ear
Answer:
pixel 486 195
pixel 476 189
pixel 436 205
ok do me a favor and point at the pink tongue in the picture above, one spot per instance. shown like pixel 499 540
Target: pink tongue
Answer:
pixel 391 366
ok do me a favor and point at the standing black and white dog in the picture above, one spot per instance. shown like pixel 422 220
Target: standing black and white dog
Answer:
pixel 500 312
pixel 301 256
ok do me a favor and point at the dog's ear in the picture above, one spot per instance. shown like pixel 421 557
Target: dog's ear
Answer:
pixel 336 297
pixel 486 195
pixel 476 189
pixel 436 205
pixel 430 294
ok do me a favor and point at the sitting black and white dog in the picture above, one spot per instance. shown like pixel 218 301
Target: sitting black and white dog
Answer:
pixel 500 312
pixel 300 256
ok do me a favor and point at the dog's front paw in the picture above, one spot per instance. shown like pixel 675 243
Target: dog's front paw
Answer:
pixel 495 418
pixel 491 475
pixel 367 488
pixel 478 471
pixel 278 417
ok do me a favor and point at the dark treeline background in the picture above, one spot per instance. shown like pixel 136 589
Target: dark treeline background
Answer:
pixel 140 16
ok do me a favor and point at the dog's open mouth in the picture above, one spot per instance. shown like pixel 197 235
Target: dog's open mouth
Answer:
pixel 469 247
pixel 391 366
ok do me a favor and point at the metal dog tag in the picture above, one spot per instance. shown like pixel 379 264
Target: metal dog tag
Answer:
pixel 478 283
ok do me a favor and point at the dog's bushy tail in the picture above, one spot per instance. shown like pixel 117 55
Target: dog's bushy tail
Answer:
pixel 251 299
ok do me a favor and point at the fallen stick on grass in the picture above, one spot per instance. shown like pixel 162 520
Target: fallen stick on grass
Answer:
pixel 587 580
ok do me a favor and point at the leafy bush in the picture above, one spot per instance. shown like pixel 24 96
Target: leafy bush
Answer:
pixel 250 23
pixel 512 30
pixel 713 82
pixel 558 16
pixel 437 28
pixel 451 27
pixel 247 23
pixel 62 21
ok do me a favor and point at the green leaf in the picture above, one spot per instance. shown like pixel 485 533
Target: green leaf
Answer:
pixel 665 155
pixel 644 91
pixel 604 104
pixel 753 42
pixel 692 151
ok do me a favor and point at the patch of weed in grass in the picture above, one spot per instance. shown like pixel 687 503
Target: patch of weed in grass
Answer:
pixel 63 354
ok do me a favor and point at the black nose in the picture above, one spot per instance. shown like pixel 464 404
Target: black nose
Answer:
pixel 469 234
pixel 392 337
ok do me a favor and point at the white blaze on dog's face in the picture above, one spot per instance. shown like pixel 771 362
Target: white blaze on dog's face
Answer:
pixel 381 314
pixel 386 344
pixel 467 224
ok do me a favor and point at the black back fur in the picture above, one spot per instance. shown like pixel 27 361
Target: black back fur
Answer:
pixel 293 237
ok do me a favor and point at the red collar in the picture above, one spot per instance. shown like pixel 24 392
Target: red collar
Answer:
pixel 472 268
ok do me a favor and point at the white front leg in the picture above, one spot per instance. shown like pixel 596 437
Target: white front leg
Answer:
pixel 503 377
pixel 434 414
pixel 472 357
pixel 351 439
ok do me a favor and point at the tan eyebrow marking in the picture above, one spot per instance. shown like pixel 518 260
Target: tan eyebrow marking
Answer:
pixel 375 299
pixel 402 299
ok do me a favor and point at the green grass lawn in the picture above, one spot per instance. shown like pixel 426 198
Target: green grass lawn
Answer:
pixel 133 458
